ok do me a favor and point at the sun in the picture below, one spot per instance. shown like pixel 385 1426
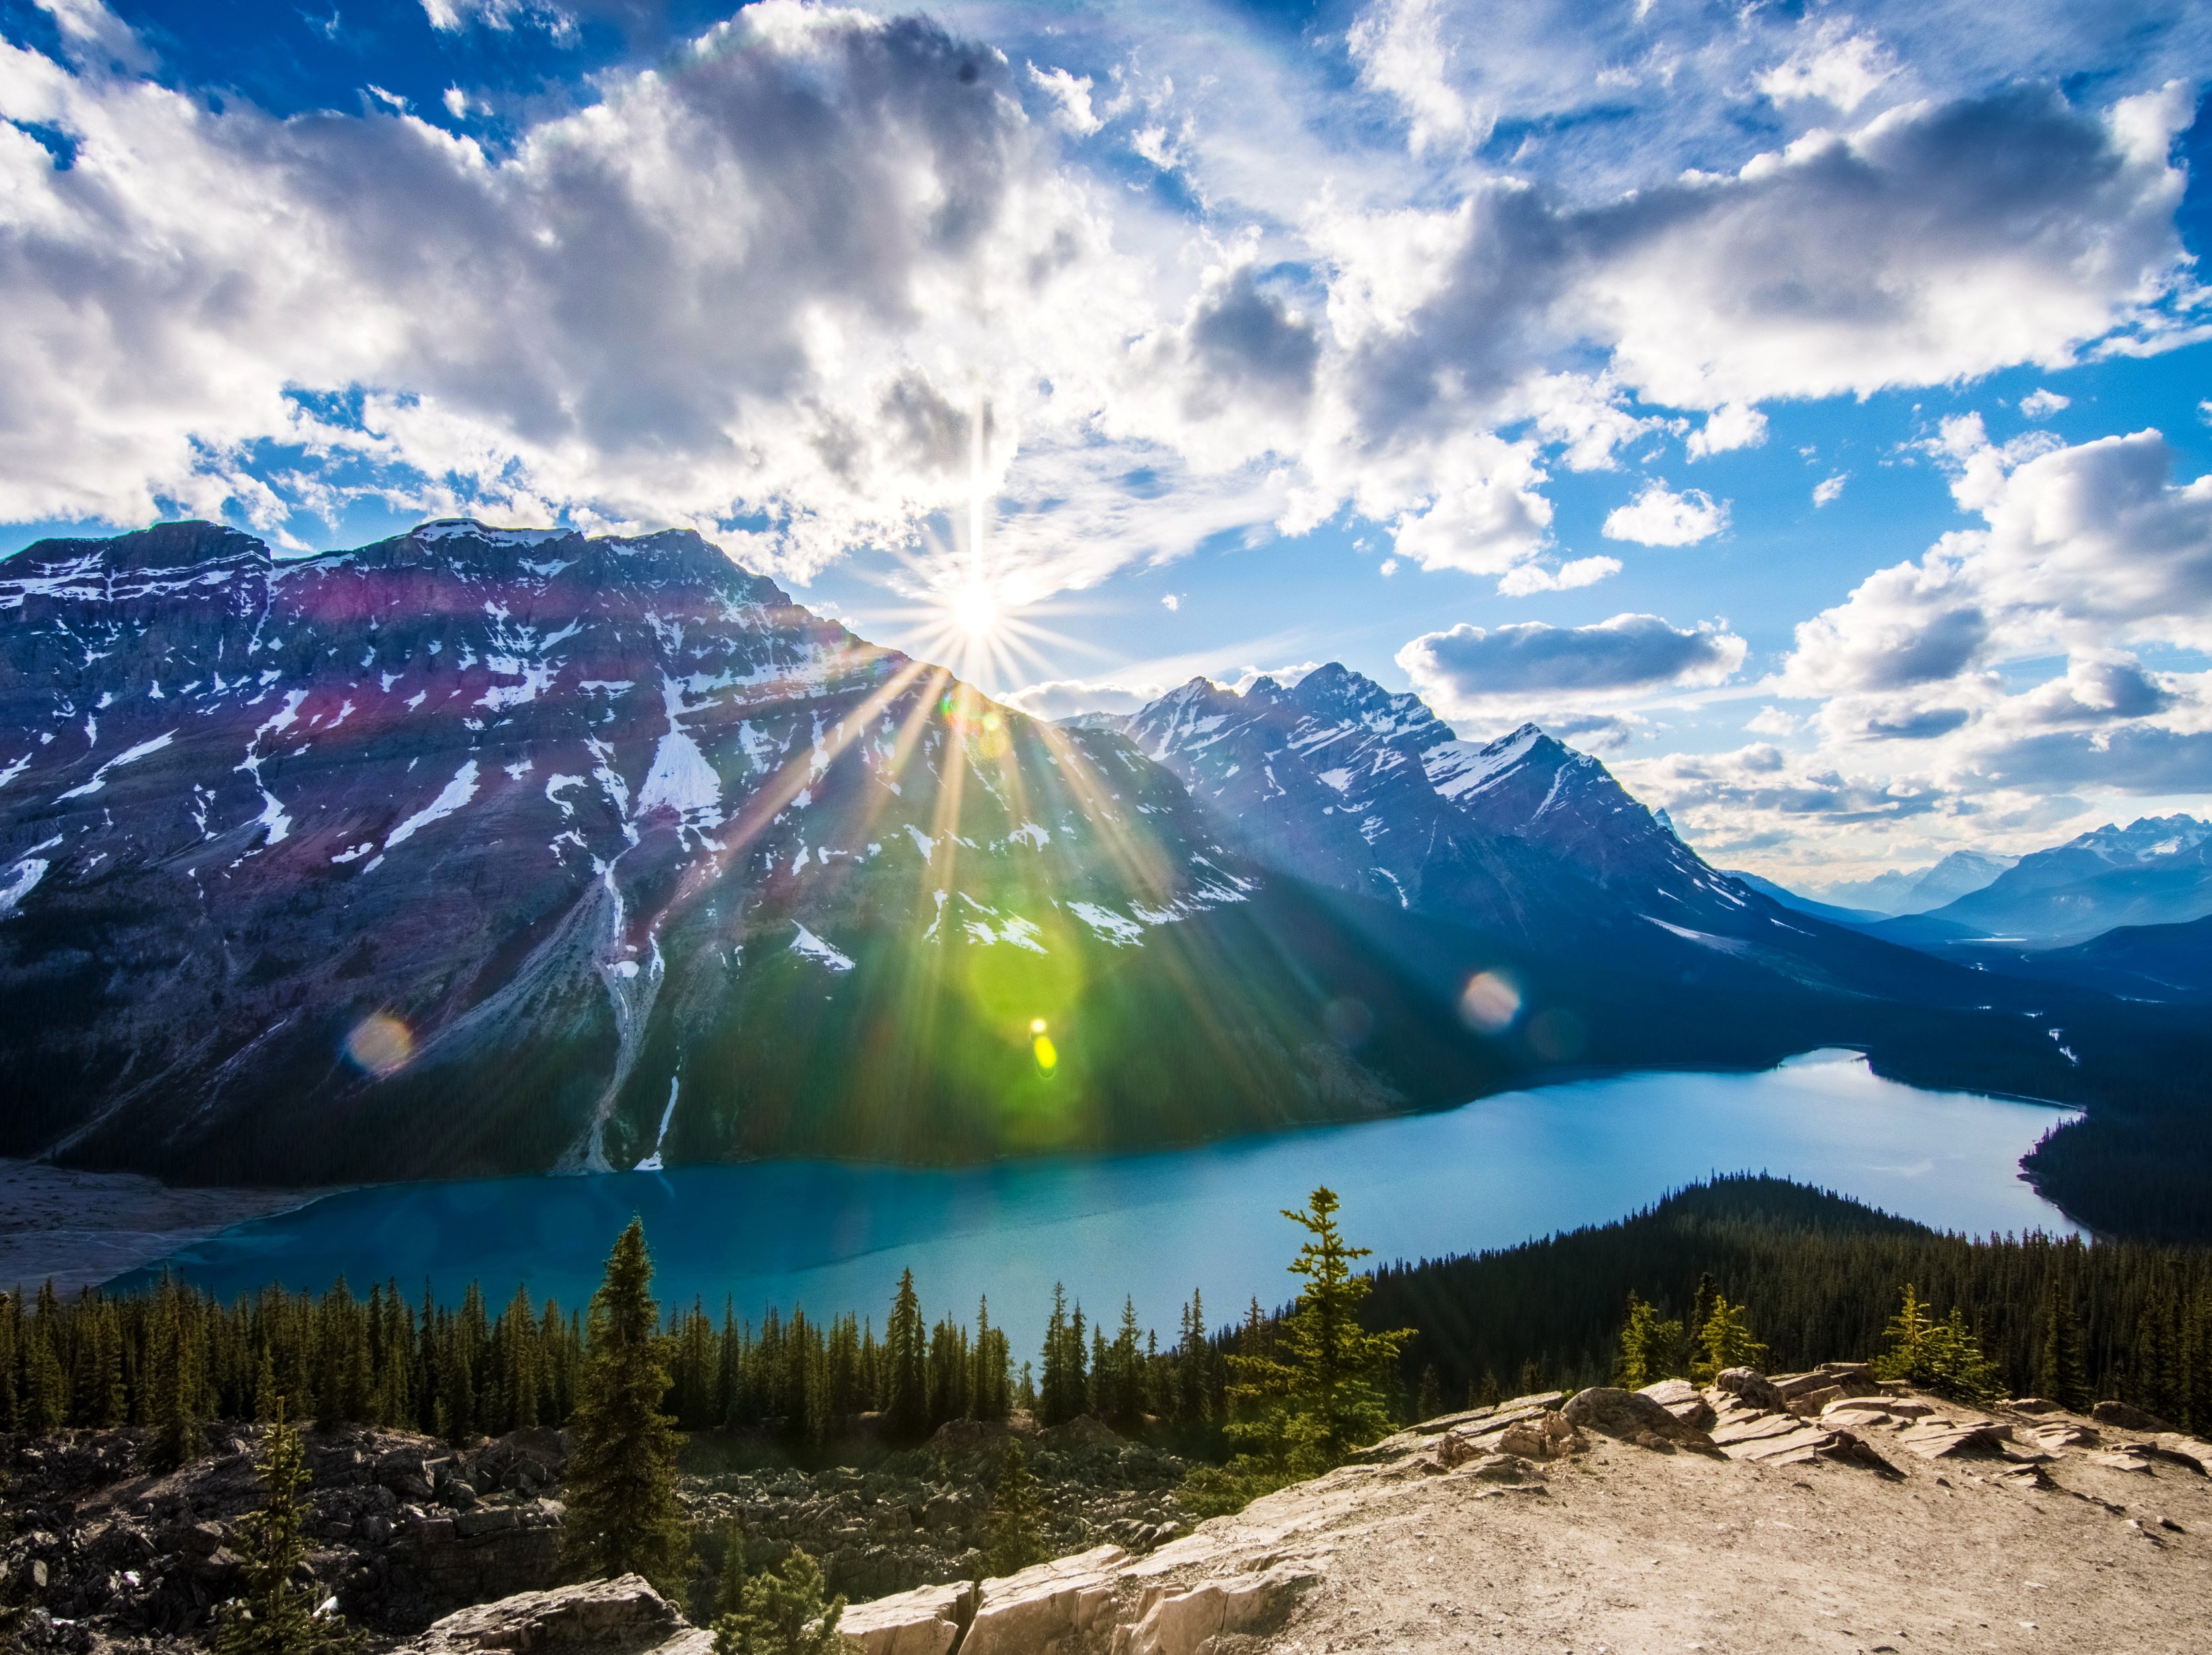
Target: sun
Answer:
pixel 976 610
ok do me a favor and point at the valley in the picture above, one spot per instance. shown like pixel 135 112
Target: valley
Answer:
pixel 510 851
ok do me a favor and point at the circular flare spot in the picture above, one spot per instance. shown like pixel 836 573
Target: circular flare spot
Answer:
pixel 1036 1026
pixel 1048 1055
pixel 1489 1003
pixel 380 1045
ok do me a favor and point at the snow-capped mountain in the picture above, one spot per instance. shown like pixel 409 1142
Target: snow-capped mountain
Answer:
pixel 1959 874
pixel 1344 783
pixel 484 849
pixel 2155 871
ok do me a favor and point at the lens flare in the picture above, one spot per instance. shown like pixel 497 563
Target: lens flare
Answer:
pixel 380 1045
pixel 1489 1003
pixel 1048 1055
pixel 1036 1026
pixel 976 610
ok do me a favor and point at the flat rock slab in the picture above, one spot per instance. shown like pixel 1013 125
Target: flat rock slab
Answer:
pixel 928 1620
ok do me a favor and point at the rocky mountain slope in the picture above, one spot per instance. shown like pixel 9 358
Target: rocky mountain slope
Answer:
pixel 2155 871
pixel 501 850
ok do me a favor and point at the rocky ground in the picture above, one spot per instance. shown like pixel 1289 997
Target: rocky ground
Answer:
pixel 1822 1511
pixel 98 1552
pixel 80 1229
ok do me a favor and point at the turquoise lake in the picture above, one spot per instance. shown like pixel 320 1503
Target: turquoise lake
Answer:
pixel 1498 1170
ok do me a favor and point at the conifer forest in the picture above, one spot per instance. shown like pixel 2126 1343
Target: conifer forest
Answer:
pixel 1805 1276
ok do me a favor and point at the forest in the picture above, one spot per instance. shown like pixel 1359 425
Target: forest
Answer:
pixel 1816 1277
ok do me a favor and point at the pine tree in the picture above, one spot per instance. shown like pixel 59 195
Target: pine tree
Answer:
pixel 277 1615
pixel 782 1612
pixel 906 1374
pixel 1015 1516
pixel 1647 1346
pixel 1323 1395
pixel 177 1385
pixel 2060 1372
pixel 623 1514
pixel 1725 1341
pixel 1429 1401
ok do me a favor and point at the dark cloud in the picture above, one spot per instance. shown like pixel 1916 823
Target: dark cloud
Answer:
pixel 1628 652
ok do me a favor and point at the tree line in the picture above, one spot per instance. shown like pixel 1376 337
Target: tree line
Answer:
pixel 176 1356
pixel 1819 1278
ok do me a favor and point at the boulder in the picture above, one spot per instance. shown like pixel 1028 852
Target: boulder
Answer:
pixel 1188 1622
pixel 928 1620
pixel 2033 1405
pixel 1752 1386
pixel 1054 1602
pixel 1549 1436
pixel 620 1615
pixel 1633 1417
pixel 1684 1400
pixel 1941 1438
pixel 2125 1416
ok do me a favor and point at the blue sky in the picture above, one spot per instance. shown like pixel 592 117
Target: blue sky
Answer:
pixel 1759 395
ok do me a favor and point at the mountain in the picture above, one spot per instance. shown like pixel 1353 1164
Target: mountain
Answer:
pixel 2156 871
pixel 1343 784
pixel 1788 898
pixel 481 850
pixel 1351 786
pixel 1957 875
pixel 2135 962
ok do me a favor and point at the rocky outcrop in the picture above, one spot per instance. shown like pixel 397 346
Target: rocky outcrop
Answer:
pixel 599 1617
pixel 1635 1417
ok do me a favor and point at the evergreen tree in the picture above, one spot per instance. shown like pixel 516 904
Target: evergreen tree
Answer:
pixel 622 1515
pixel 1944 1357
pixel 177 1385
pixel 1323 1392
pixel 1647 1346
pixel 782 1612
pixel 277 1615
pixel 1725 1341
pixel 1429 1401
pixel 906 1375
pixel 2060 1371
pixel 1016 1517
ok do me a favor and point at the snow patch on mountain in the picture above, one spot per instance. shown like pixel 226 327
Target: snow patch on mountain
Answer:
pixel 456 793
pixel 813 947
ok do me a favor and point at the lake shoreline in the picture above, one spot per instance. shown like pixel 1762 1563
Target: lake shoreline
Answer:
pixel 79 1229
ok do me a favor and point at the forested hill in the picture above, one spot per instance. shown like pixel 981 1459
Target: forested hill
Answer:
pixel 1821 1276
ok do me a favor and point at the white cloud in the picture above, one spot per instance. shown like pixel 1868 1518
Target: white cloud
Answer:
pixel 1057 698
pixel 1172 600
pixel 1772 720
pixel 2037 404
pixel 1403 49
pixel 1070 97
pixel 1527 578
pixel 457 102
pixel 1732 425
pixel 1833 68
pixel 1660 517
pixel 1830 489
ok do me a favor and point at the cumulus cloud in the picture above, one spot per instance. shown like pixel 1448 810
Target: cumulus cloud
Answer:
pixel 1829 490
pixel 2037 404
pixel 1476 672
pixel 1660 517
pixel 1833 67
pixel 1732 425
pixel 1526 578
pixel 1070 100
pixel 771 286
pixel 1403 49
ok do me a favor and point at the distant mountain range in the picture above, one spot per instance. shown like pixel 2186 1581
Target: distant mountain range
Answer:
pixel 480 850
pixel 1891 893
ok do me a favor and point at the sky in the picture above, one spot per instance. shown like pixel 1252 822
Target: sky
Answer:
pixel 1806 408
